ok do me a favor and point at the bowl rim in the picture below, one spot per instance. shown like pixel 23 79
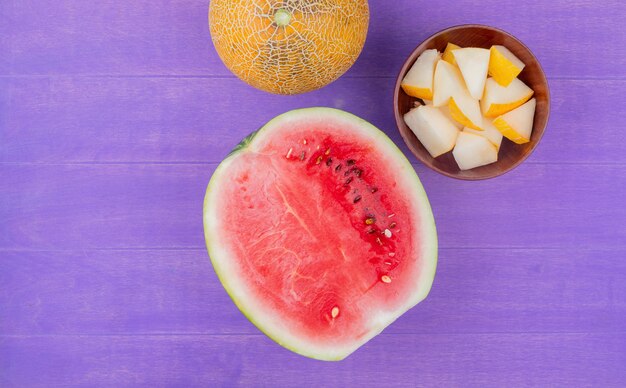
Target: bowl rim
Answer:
pixel 409 62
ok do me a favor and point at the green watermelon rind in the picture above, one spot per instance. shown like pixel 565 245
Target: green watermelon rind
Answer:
pixel 219 258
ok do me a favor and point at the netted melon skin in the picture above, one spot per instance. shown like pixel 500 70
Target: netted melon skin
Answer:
pixel 319 41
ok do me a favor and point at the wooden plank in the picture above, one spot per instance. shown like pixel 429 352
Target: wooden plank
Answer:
pixel 83 120
pixel 113 115
pixel 150 206
pixel 161 37
pixel 103 292
pixel 110 206
pixel 447 360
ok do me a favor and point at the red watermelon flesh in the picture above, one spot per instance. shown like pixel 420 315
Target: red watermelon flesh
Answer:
pixel 320 230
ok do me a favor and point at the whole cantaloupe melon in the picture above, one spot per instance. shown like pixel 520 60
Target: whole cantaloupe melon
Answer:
pixel 288 46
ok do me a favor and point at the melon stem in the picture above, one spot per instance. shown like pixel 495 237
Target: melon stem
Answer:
pixel 282 17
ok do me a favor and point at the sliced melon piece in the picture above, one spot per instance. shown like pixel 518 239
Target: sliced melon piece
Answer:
pixel 504 66
pixel 499 99
pixel 320 231
pixel 473 151
pixel 490 132
pixel 517 125
pixel 466 110
pixel 418 82
pixel 448 81
pixel 447 53
pixel 432 128
pixel 445 109
pixel 474 64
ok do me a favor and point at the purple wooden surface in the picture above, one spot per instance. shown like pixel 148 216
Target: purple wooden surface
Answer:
pixel 113 115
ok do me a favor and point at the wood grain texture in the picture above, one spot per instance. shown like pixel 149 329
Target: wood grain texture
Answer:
pixel 82 206
pixel 160 37
pixel 103 120
pixel 113 116
pixel 477 291
pixel 546 359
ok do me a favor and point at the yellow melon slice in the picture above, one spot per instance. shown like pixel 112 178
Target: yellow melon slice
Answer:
pixel 517 125
pixel 466 110
pixel 504 66
pixel 447 53
pixel 418 81
pixel 490 132
pixel 499 99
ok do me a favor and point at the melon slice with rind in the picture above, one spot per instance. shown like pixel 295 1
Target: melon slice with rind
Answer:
pixel 499 99
pixel 320 231
pixel 418 82
pixel 445 109
pixel 504 66
pixel 466 110
pixel 447 53
pixel 517 125
pixel 490 132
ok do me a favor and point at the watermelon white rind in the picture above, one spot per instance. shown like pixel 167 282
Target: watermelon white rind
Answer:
pixel 277 324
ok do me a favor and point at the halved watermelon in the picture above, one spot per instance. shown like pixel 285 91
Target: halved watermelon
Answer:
pixel 320 231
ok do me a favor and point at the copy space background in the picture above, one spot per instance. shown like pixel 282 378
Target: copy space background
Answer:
pixel 113 116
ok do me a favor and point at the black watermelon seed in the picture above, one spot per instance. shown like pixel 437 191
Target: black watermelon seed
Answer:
pixel 329 161
pixel 338 168
pixel 357 198
pixel 348 181
pixel 350 162
pixel 392 225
